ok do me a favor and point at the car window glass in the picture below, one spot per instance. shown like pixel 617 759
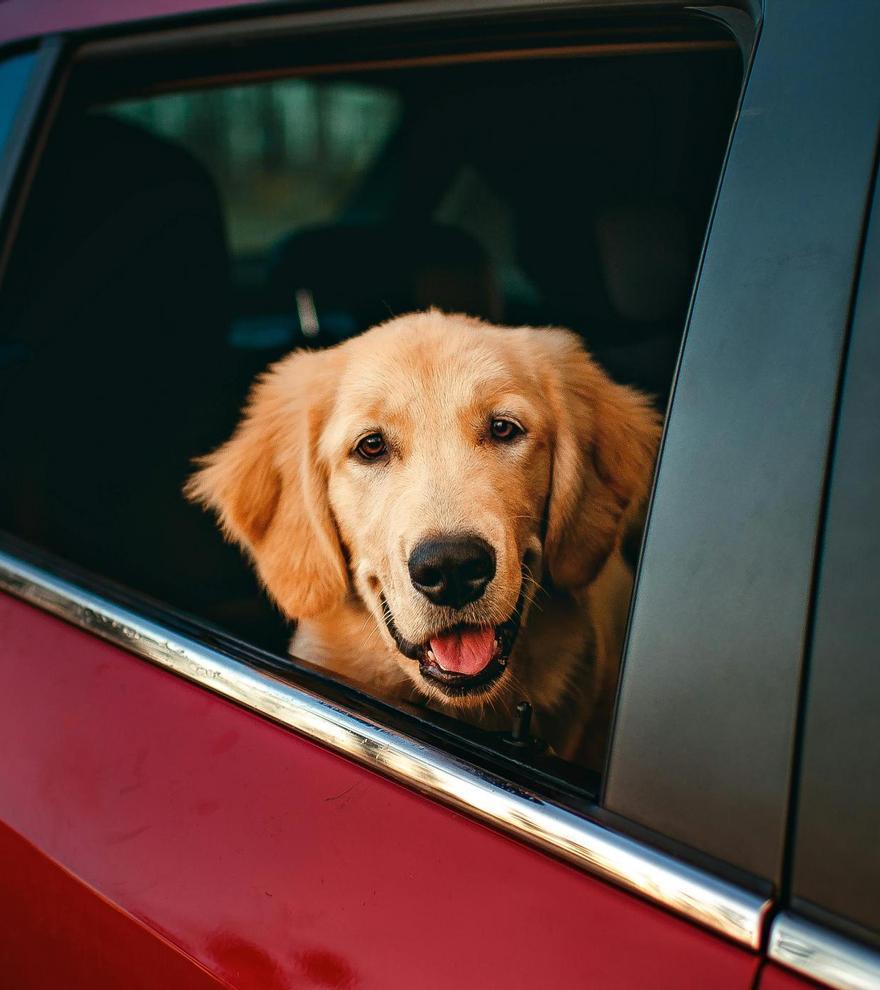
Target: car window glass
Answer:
pixel 285 155
pixel 14 75
pixel 200 235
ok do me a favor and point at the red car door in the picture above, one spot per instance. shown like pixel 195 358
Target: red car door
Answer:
pixel 155 834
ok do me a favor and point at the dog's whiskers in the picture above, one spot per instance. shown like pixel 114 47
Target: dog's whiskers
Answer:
pixel 532 597
pixel 519 687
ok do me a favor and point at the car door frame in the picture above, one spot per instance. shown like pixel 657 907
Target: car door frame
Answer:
pixel 829 929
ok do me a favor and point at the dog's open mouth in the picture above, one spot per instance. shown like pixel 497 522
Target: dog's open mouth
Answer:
pixel 462 659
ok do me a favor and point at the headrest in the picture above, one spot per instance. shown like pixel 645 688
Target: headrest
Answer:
pixel 117 201
pixel 645 259
pixel 342 279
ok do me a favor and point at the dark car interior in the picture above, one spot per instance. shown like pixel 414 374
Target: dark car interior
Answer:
pixel 128 342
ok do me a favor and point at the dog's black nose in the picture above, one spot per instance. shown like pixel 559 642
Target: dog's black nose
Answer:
pixel 452 570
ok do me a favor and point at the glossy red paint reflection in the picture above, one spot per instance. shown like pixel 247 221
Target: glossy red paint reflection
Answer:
pixel 271 862
pixel 775 977
pixel 58 932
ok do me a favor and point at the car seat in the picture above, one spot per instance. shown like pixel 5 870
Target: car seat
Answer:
pixel 115 368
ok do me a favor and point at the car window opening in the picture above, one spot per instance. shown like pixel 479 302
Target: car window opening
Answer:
pixel 200 235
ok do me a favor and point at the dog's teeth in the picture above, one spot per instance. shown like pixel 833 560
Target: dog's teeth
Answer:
pixel 431 656
pixel 502 661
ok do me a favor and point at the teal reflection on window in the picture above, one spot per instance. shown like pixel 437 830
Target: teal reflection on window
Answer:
pixel 285 155
pixel 14 75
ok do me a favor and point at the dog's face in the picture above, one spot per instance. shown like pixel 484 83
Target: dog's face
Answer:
pixel 435 466
pixel 438 449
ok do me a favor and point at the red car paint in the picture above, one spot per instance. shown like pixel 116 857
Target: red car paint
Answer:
pixel 84 940
pixel 774 977
pixel 30 18
pixel 158 833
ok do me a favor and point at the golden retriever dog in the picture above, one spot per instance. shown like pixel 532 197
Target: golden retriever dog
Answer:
pixel 438 504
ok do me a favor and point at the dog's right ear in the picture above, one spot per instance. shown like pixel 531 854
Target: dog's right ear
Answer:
pixel 269 489
pixel 603 459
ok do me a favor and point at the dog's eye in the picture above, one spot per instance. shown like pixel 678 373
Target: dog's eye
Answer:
pixel 504 429
pixel 371 447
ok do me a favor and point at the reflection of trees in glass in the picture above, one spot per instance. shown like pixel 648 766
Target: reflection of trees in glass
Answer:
pixel 271 124
pixel 284 154
pixel 203 120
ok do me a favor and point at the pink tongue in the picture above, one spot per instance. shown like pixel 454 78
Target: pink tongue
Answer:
pixel 465 651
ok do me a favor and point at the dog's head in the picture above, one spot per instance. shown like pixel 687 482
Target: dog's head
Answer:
pixel 435 466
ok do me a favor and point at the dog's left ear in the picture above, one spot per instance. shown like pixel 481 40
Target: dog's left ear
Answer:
pixel 603 460
pixel 268 486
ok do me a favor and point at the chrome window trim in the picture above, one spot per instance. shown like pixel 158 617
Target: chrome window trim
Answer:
pixel 691 893
pixel 823 955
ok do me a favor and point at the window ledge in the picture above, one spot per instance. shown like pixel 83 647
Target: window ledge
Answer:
pixel 689 892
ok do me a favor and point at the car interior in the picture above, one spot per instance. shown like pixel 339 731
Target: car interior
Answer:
pixel 532 190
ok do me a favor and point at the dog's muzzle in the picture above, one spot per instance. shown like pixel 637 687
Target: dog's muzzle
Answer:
pixel 462 659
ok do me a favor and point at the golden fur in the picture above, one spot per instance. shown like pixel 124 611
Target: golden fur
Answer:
pixel 329 533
